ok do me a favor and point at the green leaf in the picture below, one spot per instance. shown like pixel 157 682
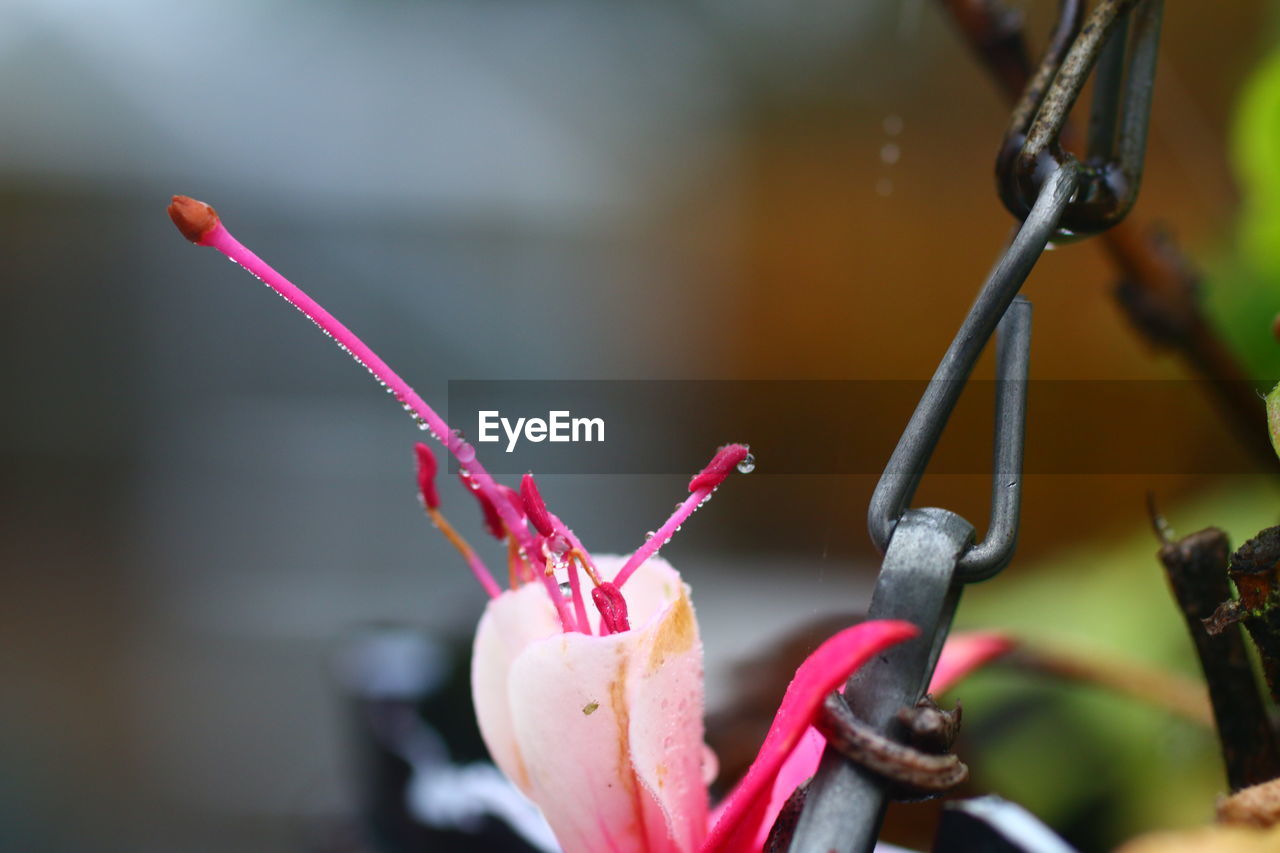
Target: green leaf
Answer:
pixel 1273 417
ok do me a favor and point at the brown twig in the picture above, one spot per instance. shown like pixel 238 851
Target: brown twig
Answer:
pixel 1173 693
pixel 1196 566
pixel 1159 287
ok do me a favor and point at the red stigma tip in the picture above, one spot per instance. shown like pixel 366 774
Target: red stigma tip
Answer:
pixel 492 521
pixel 194 218
pixel 427 467
pixel 534 507
pixel 612 606
pixel 725 460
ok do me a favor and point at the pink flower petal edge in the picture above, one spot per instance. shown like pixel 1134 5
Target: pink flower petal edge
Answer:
pixel 747 808
pixel 961 656
pixel 966 652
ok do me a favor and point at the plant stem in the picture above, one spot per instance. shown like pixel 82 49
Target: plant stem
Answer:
pixel 1196 566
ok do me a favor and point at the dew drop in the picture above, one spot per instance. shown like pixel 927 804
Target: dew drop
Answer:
pixel 747 465
pixel 566 590
pixel 649 534
pixel 466 453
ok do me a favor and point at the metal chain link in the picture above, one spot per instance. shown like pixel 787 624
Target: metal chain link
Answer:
pixel 929 554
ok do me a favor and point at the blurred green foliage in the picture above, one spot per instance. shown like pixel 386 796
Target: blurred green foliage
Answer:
pixel 1244 287
pixel 1100 767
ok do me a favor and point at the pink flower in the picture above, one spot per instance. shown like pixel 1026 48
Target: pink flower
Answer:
pixel 604 733
pixel 596 714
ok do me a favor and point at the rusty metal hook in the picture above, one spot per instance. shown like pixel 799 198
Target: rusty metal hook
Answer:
pixel 1120 38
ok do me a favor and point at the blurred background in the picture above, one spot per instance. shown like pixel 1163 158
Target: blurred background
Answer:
pixel 203 502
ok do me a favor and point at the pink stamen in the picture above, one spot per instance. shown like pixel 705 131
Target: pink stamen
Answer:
pixel 427 468
pixel 492 521
pixel 587 563
pixel 575 588
pixel 548 578
pixel 613 609
pixel 534 507
pixel 199 223
pixel 707 481
pixel 726 459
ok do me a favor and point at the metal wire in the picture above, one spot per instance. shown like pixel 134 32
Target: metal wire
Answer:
pixel 906 466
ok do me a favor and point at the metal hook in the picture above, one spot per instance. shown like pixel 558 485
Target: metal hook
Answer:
pixel 1121 37
pixel 906 466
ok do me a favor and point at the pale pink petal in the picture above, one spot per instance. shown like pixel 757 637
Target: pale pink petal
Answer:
pixel 965 653
pixel 747 807
pixel 511 623
pixel 606 730
pixel 667 724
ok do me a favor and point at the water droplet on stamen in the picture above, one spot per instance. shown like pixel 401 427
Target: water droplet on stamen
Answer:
pixel 649 534
pixel 466 453
pixel 747 465
pixel 566 590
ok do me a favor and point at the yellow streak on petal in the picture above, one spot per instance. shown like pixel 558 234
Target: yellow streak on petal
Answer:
pixel 626 773
pixel 676 635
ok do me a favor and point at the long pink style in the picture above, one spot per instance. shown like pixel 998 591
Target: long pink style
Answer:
pixel 209 231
